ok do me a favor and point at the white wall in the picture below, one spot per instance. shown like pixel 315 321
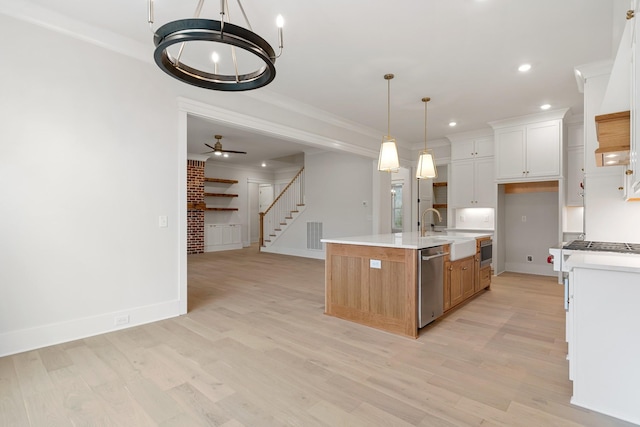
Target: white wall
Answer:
pixel 533 236
pixel 336 186
pixel 89 160
pixel 93 151
pixel 607 217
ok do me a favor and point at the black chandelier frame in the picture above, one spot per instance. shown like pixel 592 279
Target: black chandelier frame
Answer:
pixel 209 30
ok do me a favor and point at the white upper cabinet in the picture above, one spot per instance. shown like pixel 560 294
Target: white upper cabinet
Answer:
pixel 472 184
pixel 529 151
pixel 472 148
pixel 472 176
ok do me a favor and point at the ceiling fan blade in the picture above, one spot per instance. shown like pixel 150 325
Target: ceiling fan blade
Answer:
pixel 207 152
pixel 231 151
pixel 210 146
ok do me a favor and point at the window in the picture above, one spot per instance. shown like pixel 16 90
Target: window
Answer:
pixel 396 208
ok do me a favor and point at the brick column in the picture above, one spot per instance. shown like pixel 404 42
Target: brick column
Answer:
pixel 195 201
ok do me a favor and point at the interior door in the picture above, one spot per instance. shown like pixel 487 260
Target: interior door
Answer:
pixel 265 196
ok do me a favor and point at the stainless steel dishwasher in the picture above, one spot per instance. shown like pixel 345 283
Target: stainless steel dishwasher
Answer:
pixel 430 284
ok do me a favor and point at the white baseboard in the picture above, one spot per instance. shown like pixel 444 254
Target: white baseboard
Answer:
pixel 305 253
pixel 43 336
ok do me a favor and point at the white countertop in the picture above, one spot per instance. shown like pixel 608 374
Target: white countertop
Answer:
pixel 603 261
pixel 411 240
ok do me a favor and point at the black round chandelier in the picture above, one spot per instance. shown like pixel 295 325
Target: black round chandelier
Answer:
pixel 180 32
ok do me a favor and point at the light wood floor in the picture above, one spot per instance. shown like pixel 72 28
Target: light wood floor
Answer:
pixel 257 350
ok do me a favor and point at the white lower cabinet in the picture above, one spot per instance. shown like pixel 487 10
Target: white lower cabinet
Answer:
pixel 472 184
pixel 222 237
pixel 603 344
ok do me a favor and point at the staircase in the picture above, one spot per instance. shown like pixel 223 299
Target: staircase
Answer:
pixel 283 211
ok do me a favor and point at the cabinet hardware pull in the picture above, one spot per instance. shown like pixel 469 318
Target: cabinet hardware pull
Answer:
pixel 628 172
pixel 620 188
pixel 465 268
pixel 631 14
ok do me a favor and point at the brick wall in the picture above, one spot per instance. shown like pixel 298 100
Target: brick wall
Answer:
pixel 195 217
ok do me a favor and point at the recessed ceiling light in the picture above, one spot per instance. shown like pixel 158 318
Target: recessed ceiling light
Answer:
pixel 524 68
pixel 545 106
pixel 452 124
pixel 264 165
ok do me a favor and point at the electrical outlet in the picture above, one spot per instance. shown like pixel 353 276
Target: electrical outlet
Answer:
pixel 375 263
pixel 121 320
pixel 163 221
pixel 524 218
pixel 529 258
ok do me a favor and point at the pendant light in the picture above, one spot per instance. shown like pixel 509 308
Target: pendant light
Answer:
pixel 426 161
pixel 388 159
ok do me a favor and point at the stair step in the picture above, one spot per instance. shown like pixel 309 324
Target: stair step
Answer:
pixel 294 212
pixel 283 223
pixel 269 241
pixel 272 235
pixel 277 229
pixel 288 217
pixel 300 205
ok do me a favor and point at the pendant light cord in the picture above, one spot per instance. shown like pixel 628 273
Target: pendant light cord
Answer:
pixel 388 78
pixel 425 100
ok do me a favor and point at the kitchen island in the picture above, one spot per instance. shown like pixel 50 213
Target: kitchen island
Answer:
pixel 373 279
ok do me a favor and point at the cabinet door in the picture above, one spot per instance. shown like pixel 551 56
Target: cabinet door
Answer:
pixel 213 236
pixel 510 153
pixel 467 275
pixel 575 176
pixel 484 183
pixel 543 146
pixel 461 185
pixel 455 282
pixel 236 236
pixel 484 147
pixel 463 150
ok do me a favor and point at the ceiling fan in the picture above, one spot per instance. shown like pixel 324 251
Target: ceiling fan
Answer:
pixel 217 148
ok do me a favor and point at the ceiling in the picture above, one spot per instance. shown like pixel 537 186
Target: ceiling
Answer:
pixel 464 54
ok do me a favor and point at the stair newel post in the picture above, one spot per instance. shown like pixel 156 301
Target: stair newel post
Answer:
pixel 261 231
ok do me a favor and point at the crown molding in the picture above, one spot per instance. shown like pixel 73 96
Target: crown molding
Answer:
pixel 42 17
pixel 530 118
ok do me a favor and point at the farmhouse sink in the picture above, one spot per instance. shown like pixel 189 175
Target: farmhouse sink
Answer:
pixel 462 247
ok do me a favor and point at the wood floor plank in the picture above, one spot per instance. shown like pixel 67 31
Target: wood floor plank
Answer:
pixel 12 408
pixel 255 349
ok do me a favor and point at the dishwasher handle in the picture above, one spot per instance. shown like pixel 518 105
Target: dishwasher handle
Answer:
pixel 438 255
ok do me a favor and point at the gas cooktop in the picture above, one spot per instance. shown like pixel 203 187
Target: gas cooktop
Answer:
pixel 583 245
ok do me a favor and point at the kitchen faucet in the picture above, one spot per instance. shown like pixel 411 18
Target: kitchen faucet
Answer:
pixel 423 232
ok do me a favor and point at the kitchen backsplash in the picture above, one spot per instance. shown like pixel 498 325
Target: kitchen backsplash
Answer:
pixel 474 218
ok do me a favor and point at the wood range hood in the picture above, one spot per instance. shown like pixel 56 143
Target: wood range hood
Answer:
pixel 614 142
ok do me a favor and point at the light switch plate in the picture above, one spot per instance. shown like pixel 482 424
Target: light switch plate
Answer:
pixel 163 221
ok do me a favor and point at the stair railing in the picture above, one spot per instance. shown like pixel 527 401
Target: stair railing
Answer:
pixel 282 208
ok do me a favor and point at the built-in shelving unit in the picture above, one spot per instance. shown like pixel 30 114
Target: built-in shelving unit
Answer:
pixel 204 207
pixel 440 195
